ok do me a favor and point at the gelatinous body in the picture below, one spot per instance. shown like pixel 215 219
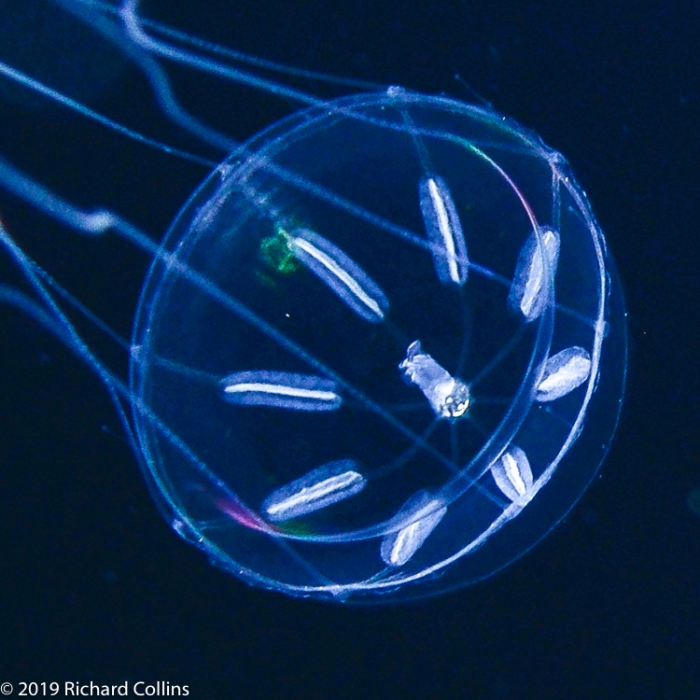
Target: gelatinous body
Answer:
pixel 330 397
pixel 478 394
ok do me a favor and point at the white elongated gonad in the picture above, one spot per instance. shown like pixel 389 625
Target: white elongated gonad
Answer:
pixel 343 276
pixel 444 229
pixel 417 519
pixel 319 488
pixel 529 291
pixel 302 392
pixel 563 372
pixel 512 473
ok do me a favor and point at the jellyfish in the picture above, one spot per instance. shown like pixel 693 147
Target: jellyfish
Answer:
pixel 381 350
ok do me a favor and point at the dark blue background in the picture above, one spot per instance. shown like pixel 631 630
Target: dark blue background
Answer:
pixel 95 586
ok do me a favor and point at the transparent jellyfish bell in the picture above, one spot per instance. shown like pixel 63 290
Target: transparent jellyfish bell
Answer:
pixel 381 353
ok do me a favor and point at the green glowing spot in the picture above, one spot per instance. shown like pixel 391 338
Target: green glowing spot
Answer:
pixel 276 251
pixel 265 279
pixel 298 528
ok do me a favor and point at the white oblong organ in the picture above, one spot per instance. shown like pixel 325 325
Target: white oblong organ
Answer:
pixel 416 520
pixel 530 289
pixel 512 473
pixel 341 274
pixel 319 488
pixel 444 229
pixel 301 392
pixel 563 373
